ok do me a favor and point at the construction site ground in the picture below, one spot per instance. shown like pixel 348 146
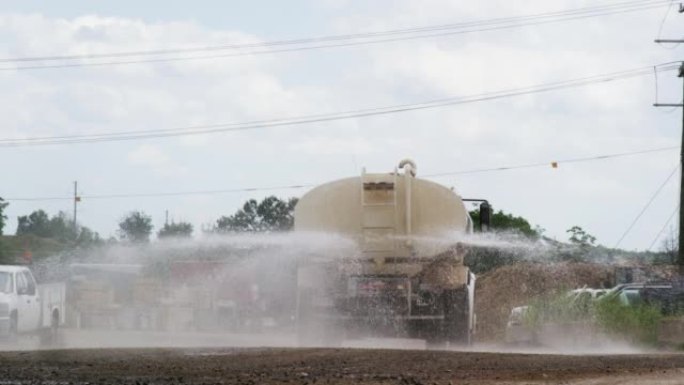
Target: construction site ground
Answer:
pixel 330 366
pixel 241 361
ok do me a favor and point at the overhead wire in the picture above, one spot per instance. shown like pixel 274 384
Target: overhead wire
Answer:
pixel 662 24
pixel 646 206
pixel 667 223
pixel 326 117
pixel 334 37
pixel 334 41
pixel 308 185
pixel 548 163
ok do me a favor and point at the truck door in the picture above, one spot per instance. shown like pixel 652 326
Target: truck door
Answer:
pixel 28 305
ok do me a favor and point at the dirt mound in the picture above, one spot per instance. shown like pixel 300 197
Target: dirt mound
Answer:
pixel 500 290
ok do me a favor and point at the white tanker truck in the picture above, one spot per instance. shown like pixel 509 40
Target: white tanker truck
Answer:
pixel 403 279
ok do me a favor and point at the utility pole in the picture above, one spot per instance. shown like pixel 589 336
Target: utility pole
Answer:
pixel 680 252
pixel 76 200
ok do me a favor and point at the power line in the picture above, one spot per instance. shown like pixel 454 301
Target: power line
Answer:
pixel 337 37
pixel 558 162
pixel 662 24
pixel 343 115
pixel 308 185
pixel 667 223
pixel 648 204
pixel 166 194
pixel 335 41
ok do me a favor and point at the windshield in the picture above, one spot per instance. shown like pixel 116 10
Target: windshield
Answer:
pixel 5 282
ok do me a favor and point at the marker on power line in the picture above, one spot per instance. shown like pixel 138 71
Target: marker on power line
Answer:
pixel 307 185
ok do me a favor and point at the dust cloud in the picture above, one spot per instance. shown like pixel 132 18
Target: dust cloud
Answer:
pixel 237 290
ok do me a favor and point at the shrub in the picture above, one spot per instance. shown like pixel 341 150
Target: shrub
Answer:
pixel 638 322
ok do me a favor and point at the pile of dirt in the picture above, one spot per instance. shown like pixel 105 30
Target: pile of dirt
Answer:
pixel 499 291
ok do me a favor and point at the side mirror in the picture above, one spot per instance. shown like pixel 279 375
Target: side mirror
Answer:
pixel 485 216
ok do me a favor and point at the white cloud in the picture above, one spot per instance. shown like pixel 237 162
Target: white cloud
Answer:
pixel 332 146
pixel 603 118
pixel 148 155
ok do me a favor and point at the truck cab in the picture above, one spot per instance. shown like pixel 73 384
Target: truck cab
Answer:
pixel 26 307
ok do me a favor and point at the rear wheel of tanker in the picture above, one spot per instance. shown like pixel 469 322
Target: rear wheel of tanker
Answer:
pixel 313 328
pixel 430 330
pixel 436 340
pixel 456 326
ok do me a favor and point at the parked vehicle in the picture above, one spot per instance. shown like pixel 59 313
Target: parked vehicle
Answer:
pixel 28 308
pixel 667 296
pixel 519 331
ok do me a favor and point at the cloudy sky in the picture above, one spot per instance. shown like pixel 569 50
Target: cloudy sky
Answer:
pixel 603 118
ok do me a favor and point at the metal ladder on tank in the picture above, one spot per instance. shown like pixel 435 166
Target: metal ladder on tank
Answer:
pixel 379 215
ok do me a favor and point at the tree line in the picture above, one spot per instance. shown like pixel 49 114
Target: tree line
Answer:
pixel 271 214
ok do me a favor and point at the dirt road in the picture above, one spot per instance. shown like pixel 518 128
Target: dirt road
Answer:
pixel 333 366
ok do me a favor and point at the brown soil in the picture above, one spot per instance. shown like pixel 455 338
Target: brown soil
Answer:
pixel 334 366
pixel 500 290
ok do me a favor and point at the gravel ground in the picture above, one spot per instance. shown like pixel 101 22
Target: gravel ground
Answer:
pixel 330 366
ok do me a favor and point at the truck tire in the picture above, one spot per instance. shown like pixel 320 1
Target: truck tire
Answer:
pixel 432 331
pixel 50 337
pixel 308 333
pixel 13 330
pixel 456 327
pixel 313 330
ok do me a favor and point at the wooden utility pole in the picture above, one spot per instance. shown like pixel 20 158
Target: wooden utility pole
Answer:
pixel 76 200
pixel 680 252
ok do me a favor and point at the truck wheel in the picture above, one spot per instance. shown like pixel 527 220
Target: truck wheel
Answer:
pixel 50 337
pixel 436 341
pixel 13 330
pixel 456 315
pixel 308 333
pixel 432 331
pixel 312 330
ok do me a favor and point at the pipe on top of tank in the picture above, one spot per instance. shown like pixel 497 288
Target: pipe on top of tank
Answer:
pixel 411 169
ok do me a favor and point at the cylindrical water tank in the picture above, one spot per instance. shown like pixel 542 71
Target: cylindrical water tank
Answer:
pixel 388 214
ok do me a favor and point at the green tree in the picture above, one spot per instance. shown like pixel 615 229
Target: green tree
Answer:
pixel 36 223
pixel 136 227
pixel 271 214
pixel 87 237
pixel 3 217
pixel 176 230
pixel 501 221
pixel 580 237
pixel 60 227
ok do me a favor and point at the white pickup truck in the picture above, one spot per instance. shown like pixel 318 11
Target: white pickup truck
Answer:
pixel 28 308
